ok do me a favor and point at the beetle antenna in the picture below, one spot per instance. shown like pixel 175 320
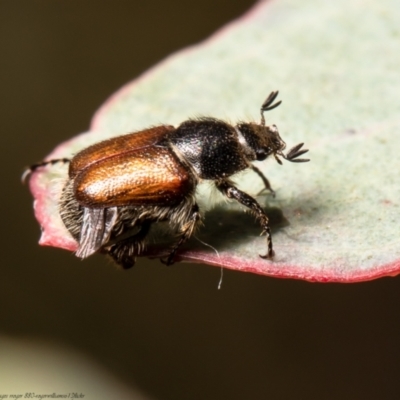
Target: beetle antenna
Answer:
pixel 267 105
pixel 296 152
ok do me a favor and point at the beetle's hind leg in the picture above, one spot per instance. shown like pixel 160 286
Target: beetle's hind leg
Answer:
pixel 124 251
pixel 186 229
pixel 38 165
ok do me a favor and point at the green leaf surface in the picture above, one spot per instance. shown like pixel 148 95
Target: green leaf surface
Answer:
pixel 337 67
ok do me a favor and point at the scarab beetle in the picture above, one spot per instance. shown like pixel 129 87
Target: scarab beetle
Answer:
pixel 119 188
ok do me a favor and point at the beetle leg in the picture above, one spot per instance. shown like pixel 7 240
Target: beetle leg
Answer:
pixel 124 251
pixel 187 229
pixel 264 179
pixel 34 167
pixel 232 192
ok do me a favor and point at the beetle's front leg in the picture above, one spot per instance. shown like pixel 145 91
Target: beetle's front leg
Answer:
pixel 264 179
pixel 232 192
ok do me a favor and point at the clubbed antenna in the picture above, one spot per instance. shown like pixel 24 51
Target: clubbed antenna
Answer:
pixel 296 152
pixel 267 105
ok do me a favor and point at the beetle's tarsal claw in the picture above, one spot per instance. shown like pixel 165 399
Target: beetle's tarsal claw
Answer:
pixel 268 256
pixel 168 261
pixel 25 175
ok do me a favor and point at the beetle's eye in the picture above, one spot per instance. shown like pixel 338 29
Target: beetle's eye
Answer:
pixel 261 154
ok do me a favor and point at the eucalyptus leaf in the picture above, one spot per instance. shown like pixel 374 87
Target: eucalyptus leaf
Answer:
pixel 337 67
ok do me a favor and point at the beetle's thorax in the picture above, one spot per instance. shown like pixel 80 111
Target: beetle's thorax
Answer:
pixel 209 147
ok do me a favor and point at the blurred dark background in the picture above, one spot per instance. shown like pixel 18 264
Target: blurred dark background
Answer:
pixel 168 331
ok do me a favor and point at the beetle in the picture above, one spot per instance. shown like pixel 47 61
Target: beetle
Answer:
pixel 119 188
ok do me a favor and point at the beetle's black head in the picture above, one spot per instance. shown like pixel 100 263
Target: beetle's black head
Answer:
pixel 259 141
